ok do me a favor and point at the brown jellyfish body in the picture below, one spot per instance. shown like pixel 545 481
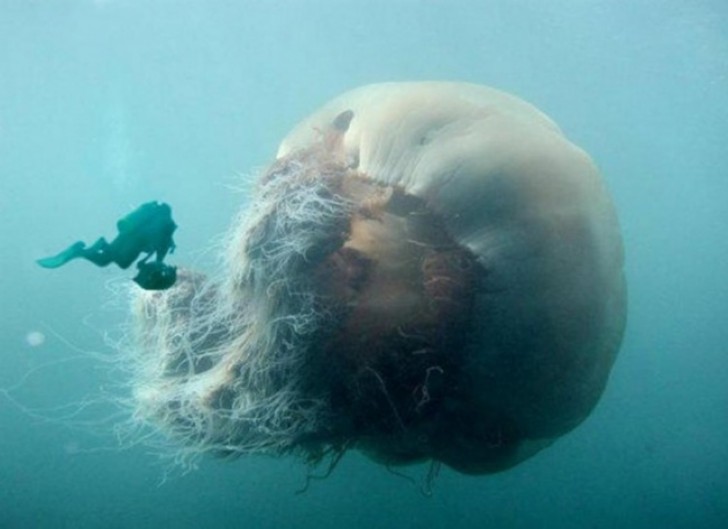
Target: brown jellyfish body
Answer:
pixel 428 271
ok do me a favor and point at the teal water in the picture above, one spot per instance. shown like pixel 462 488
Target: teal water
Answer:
pixel 108 104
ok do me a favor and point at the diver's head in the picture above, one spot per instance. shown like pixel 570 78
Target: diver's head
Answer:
pixel 155 275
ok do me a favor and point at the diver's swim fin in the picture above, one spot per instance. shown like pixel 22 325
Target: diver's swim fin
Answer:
pixel 72 252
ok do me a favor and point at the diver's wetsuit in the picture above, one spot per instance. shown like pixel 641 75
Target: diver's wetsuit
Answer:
pixel 148 229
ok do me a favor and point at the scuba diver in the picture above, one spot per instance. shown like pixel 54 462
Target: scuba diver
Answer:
pixel 148 229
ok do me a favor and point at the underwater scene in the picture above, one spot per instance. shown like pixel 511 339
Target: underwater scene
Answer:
pixel 406 263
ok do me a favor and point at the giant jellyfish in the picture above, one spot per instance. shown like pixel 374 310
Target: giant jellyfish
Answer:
pixel 426 272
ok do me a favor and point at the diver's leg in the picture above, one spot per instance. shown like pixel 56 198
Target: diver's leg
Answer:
pixel 72 252
pixel 100 253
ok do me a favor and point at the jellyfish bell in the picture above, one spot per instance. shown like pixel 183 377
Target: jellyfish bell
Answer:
pixel 428 271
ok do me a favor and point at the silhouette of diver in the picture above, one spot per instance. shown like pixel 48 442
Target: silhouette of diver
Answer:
pixel 148 229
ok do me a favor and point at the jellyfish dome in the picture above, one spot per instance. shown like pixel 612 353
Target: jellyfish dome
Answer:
pixel 427 272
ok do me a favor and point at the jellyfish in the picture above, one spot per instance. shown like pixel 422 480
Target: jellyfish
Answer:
pixel 428 271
